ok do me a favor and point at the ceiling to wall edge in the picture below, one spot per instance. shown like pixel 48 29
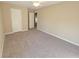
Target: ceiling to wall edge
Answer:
pixel 31 9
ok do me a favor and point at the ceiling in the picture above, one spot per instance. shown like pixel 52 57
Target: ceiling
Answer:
pixel 29 4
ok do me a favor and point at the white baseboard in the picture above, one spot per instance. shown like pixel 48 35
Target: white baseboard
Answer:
pixel 13 32
pixel 60 37
pixel 9 33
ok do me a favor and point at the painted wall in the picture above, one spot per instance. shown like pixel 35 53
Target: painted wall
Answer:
pixel 1 34
pixel 61 20
pixel 7 17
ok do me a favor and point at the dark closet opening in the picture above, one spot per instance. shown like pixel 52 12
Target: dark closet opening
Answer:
pixel 35 20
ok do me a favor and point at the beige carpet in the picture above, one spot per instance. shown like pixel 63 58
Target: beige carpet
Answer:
pixel 36 44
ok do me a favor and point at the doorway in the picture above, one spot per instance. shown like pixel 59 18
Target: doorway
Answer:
pixel 35 20
pixel 32 20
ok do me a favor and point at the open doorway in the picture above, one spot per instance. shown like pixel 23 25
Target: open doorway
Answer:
pixel 35 20
pixel 32 20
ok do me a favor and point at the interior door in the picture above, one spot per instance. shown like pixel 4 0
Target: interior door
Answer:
pixel 16 20
pixel 31 20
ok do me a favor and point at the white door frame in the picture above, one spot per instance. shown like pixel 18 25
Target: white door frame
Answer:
pixel 31 20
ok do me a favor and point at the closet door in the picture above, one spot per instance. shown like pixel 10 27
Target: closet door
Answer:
pixel 16 20
pixel 31 20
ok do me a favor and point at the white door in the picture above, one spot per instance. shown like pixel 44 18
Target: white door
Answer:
pixel 31 20
pixel 16 20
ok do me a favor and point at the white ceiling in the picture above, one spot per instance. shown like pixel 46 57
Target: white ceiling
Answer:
pixel 29 4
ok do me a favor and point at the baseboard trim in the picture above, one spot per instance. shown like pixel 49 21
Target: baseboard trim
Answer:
pixel 9 33
pixel 13 32
pixel 60 37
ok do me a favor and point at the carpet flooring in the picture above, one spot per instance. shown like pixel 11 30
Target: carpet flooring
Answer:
pixel 37 44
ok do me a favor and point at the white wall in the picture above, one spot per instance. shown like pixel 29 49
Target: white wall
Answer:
pixel 61 20
pixel 1 35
